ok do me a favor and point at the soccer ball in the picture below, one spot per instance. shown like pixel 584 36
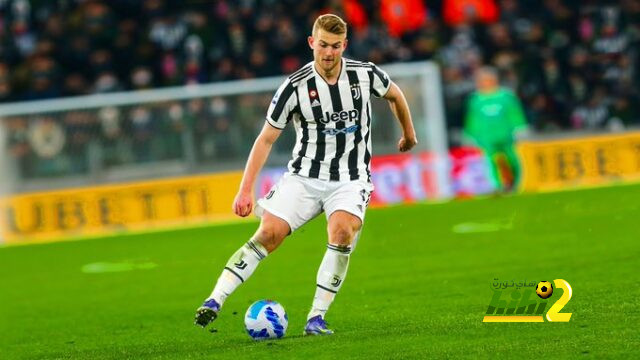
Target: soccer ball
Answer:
pixel 266 319
pixel 544 289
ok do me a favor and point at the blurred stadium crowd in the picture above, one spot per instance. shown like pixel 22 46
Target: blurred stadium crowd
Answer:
pixel 574 64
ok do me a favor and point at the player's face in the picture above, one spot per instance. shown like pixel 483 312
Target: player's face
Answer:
pixel 486 82
pixel 327 49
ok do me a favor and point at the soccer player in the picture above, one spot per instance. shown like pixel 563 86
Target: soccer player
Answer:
pixel 328 101
pixel 494 119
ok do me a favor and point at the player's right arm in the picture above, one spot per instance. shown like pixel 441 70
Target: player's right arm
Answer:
pixel 243 202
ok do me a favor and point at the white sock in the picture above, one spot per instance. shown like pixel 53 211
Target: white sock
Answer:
pixel 238 269
pixel 331 274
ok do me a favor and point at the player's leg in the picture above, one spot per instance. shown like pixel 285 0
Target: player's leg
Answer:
pixel 491 155
pixel 511 155
pixel 345 211
pixel 285 208
pixel 242 264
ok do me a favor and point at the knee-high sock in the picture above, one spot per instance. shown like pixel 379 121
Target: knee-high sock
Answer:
pixel 238 269
pixel 331 274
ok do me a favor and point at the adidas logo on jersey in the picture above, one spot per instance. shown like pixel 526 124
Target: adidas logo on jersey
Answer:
pixel 315 102
pixel 351 115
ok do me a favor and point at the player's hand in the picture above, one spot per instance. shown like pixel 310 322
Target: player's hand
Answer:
pixel 243 203
pixel 406 143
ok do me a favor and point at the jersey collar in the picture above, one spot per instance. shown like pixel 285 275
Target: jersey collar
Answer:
pixel 343 71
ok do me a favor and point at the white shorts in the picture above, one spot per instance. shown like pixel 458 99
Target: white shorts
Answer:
pixel 297 199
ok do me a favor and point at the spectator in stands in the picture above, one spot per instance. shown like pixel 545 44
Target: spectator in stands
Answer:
pixel 199 116
pixel 44 79
pixel 5 84
pixel 116 145
pixel 141 78
pixel 458 12
pixel 402 16
pixel 623 113
pixel 174 129
pixel 221 116
pixel 592 115
pixel 18 144
pixel 142 129
pixel 543 113
pixel 79 130
pixel 75 84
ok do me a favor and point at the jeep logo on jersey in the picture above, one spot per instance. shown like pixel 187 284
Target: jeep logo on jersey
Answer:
pixel 344 115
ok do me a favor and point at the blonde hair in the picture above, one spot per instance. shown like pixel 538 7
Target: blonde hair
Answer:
pixel 330 23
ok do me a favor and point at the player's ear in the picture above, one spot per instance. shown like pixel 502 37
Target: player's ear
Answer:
pixel 310 41
pixel 344 44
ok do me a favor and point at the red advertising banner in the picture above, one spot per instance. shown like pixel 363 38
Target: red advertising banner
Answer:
pixel 403 178
pixel 409 177
pixel 469 172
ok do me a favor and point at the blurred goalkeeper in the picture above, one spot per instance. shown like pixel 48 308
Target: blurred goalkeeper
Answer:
pixel 493 122
pixel 328 103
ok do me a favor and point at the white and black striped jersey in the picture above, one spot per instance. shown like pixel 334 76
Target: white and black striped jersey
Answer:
pixel 332 122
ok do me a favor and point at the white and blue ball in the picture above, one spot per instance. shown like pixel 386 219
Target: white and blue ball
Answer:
pixel 266 319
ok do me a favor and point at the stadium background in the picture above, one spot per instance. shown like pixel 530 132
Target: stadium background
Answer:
pixel 574 67
pixel 119 117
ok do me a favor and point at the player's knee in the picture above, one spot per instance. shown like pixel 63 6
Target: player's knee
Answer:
pixel 268 237
pixel 341 234
pixel 271 234
pixel 343 228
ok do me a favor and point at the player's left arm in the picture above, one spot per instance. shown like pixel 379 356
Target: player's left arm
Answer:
pixel 400 109
pixel 517 117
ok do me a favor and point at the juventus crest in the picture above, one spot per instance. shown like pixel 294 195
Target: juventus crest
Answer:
pixel 355 91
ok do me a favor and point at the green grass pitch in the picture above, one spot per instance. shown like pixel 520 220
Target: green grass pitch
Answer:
pixel 418 286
